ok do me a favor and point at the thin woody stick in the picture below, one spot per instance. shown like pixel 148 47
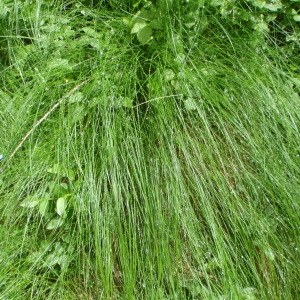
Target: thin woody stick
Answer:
pixel 25 137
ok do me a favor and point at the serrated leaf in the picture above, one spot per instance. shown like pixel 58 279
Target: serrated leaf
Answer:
pixel 144 35
pixel 155 24
pixel 138 26
pixel 143 14
pixel 169 74
pixel 30 202
pixel 76 97
pixel 127 102
pixel 54 223
pixel 61 206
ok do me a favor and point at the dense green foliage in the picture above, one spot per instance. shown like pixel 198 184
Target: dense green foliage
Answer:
pixel 149 149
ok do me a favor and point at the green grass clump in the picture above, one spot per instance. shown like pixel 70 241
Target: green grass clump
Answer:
pixel 171 171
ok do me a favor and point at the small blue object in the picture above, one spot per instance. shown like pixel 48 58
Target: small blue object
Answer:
pixel 2 156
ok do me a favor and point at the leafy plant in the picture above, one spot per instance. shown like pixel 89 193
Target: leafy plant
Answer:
pixel 56 203
pixel 146 23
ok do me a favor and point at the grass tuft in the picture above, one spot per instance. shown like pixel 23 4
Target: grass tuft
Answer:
pixel 171 173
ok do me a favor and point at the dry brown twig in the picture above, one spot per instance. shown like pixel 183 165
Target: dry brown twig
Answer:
pixel 45 116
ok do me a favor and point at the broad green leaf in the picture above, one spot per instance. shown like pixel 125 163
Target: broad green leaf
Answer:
pixel 43 206
pixel 95 43
pixel 66 238
pixel 293 37
pixel 295 80
pixel 34 256
pixel 144 15
pixel 180 58
pixel 261 26
pixel 77 113
pixel 58 256
pixel 136 4
pixel 59 63
pixel 269 254
pixel 248 293
pixel 90 31
pixel 61 206
pixel 58 170
pixel 54 259
pixel 63 20
pixel 30 202
pixel 208 71
pixel 191 19
pixel 169 74
pixel 271 17
pixel 70 174
pixel 60 190
pixel 127 21
pixel 138 26
pixel 55 223
pixel 193 287
pixel 76 97
pixel 127 102
pixel 54 170
pixel 296 18
pixel 273 6
pixel 3 10
pixel 144 35
pixel 216 2
pixel 177 86
pixel 155 24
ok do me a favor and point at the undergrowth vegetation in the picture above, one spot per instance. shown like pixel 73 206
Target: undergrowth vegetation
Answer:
pixel 149 149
